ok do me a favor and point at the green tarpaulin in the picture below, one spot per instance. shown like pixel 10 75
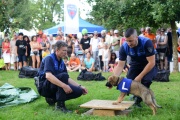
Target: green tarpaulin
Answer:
pixel 10 96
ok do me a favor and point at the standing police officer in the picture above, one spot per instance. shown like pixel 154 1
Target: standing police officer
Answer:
pixel 142 65
pixel 54 82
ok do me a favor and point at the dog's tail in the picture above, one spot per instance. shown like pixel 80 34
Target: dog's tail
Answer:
pixel 154 100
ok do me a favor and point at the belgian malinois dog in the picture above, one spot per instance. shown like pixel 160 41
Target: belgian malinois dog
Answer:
pixel 137 89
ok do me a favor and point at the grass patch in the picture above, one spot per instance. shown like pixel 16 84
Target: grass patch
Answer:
pixel 167 95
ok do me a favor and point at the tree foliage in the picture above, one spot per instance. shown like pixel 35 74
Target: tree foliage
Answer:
pixel 14 13
pixel 44 11
pixel 29 14
pixel 138 13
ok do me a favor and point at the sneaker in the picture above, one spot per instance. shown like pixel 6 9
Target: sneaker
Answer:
pixel 50 101
pixel 62 109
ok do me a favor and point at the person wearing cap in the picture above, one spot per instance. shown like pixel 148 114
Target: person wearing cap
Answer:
pixel 85 44
pixel 21 51
pixel 142 66
pixel 115 43
pixel 94 49
pixel 14 58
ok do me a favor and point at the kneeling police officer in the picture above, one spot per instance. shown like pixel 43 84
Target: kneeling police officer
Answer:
pixel 53 80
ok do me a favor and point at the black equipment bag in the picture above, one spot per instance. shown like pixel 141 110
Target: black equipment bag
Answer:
pixel 86 76
pixel 162 76
pixel 28 72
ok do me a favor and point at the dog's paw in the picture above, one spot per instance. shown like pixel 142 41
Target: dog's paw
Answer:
pixel 115 103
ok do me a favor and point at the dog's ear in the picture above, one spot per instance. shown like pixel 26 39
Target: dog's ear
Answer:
pixel 109 78
pixel 112 80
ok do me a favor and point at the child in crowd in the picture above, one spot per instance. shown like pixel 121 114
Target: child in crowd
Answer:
pixel 112 62
pixel 106 56
pixel 45 52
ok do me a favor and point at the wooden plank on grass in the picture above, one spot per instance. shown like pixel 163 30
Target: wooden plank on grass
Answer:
pixel 107 104
pixel 103 112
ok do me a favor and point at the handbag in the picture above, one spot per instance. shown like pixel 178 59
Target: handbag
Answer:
pixel 35 52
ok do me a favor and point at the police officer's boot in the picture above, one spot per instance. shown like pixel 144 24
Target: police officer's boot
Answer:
pixel 61 106
pixel 137 101
pixel 50 101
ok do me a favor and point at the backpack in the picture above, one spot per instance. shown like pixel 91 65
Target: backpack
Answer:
pixel 87 76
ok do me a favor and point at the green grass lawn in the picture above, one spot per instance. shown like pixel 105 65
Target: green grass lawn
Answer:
pixel 167 95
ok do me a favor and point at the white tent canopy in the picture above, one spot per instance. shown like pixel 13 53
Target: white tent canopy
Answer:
pixel 28 33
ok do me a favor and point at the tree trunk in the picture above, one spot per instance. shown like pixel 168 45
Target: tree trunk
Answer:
pixel 175 53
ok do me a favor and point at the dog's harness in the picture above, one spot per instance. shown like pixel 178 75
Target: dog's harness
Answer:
pixel 125 85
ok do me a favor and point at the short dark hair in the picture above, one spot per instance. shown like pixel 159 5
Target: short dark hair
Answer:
pixel 59 44
pixel 129 32
pixel 21 34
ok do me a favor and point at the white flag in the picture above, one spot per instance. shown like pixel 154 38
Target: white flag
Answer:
pixel 71 16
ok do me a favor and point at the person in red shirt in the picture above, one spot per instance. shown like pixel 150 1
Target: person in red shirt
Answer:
pixel 74 63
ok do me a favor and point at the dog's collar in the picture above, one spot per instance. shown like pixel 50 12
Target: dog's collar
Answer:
pixel 117 81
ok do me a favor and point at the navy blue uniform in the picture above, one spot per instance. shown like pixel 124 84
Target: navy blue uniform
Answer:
pixel 138 56
pixel 58 69
pixel 138 62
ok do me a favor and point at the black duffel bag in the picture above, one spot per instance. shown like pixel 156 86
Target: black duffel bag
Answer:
pixel 162 76
pixel 28 72
pixel 86 76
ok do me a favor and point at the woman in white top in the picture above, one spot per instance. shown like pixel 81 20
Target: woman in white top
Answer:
pixel 106 56
pixel 101 48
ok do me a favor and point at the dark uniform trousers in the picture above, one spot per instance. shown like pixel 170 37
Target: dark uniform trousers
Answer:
pixel 146 80
pixel 50 90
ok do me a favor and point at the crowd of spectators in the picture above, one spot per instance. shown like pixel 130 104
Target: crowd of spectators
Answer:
pixel 95 52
